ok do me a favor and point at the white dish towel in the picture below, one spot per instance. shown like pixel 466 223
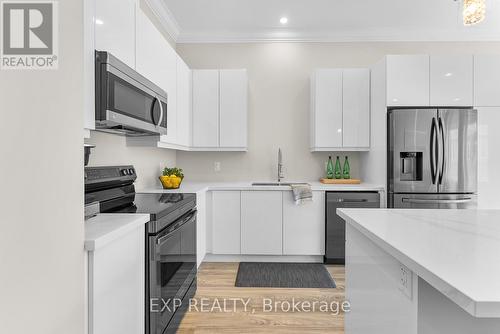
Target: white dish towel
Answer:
pixel 302 193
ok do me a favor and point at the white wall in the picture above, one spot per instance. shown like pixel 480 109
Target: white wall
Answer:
pixel 149 161
pixel 279 100
pixel 41 229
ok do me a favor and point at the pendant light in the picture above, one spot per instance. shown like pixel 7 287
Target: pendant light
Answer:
pixel 474 11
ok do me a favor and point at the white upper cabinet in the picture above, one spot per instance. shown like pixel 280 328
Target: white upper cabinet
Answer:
pixel 170 63
pixel 115 29
pixel 183 103
pixel 206 108
pixel 340 110
pixel 356 108
pixel 487 80
pixel 157 61
pixel 233 108
pixel 408 80
pixel 220 110
pixel 451 80
pixel 326 108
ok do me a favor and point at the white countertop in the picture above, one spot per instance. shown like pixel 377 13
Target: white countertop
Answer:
pixel 195 187
pixel 106 227
pixel 456 251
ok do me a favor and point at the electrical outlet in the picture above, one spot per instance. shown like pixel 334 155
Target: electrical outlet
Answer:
pixel 406 281
pixel 217 166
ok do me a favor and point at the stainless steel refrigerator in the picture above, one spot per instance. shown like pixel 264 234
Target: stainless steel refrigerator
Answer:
pixel 432 158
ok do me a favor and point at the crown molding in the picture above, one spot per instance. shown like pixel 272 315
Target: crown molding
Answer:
pixel 166 18
pixel 328 37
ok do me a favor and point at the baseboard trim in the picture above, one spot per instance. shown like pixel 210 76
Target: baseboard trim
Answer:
pixel 263 258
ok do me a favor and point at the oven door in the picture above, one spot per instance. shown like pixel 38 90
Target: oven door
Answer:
pixel 172 269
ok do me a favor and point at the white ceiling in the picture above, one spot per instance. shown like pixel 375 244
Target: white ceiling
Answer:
pixel 326 20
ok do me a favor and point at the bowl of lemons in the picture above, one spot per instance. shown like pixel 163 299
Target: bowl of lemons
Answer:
pixel 171 178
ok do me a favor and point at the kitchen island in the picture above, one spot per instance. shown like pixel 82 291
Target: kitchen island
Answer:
pixel 422 271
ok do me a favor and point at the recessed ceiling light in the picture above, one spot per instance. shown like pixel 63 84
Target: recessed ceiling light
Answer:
pixel 284 20
pixel 98 21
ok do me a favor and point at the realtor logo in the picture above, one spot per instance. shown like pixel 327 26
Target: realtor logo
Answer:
pixel 29 35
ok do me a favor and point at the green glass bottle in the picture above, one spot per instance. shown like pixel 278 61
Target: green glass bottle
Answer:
pixel 329 168
pixel 347 169
pixel 338 169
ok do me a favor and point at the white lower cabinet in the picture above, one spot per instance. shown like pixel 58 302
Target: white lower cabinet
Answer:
pixel 226 215
pixel 261 223
pixel 116 285
pixel 267 223
pixel 304 225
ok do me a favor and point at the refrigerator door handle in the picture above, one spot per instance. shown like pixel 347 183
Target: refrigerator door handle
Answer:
pixel 433 151
pixel 441 150
pixel 437 201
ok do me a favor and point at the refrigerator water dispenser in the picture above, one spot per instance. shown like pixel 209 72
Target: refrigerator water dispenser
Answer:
pixel 410 166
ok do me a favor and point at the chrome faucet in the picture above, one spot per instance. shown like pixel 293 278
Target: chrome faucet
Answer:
pixel 280 166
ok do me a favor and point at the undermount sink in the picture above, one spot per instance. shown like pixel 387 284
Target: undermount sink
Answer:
pixel 274 184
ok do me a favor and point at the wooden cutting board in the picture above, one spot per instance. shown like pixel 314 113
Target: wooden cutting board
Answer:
pixel 340 181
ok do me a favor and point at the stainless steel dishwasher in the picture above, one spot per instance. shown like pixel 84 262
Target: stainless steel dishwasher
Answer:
pixel 335 226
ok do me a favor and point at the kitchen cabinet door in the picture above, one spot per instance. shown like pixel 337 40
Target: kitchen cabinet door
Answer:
pixel 184 85
pixel 157 61
pixel 356 108
pixel 116 277
pixel 261 223
pixel 326 113
pixel 115 29
pixel 487 81
pixel 226 222
pixel 304 225
pixel 205 108
pixel 488 159
pixel 233 108
pixel 170 64
pixel 408 80
pixel 451 80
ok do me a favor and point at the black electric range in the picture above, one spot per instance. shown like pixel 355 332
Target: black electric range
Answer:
pixel 170 252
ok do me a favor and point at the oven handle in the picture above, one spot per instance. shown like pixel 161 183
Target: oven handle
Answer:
pixel 177 226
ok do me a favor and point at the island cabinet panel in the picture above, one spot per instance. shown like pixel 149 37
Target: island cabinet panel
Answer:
pixel 261 223
pixel 304 225
pixel 379 303
pixel 226 222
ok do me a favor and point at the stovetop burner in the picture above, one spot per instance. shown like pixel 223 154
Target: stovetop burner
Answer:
pixel 157 205
pixel 113 188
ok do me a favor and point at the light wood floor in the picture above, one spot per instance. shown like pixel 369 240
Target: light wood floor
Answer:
pixel 216 281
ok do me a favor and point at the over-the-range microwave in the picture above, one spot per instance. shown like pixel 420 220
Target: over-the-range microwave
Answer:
pixel 126 102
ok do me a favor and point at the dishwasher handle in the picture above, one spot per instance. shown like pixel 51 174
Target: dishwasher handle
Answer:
pixel 343 200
